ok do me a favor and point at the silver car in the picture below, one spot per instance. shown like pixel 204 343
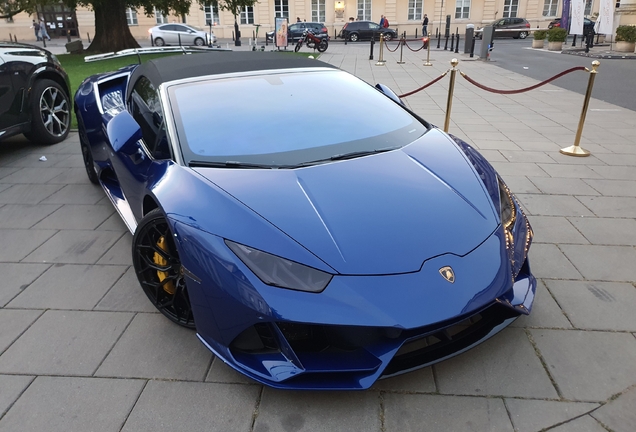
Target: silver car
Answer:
pixel 180 34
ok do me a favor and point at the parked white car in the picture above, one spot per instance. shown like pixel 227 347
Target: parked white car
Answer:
pixel 183 34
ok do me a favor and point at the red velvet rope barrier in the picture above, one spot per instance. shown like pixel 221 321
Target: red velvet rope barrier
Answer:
pixel 483 87
pixel 424 86
pixel 414 50
pixel 392 50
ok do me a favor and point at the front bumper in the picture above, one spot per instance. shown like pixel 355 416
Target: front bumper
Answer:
pixel 360 328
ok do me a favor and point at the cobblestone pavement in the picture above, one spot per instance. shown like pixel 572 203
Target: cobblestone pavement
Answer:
pixel 81 349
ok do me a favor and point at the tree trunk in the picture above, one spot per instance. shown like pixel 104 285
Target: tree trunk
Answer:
pixel 111 29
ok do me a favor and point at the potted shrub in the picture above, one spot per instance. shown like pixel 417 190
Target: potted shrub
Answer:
pixel 539 38
pixel 556 37
pixel 625 38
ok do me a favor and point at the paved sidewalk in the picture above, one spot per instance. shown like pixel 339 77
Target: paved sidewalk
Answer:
pixel 81 349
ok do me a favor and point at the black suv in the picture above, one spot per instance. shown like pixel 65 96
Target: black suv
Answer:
pixel 34 94
pixel 365 30
pixel 588 25
pixel 295 31
pixel 517 28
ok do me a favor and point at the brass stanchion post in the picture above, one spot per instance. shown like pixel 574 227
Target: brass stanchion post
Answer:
pixel 381 61
pixel 428 52
pixel 402 42
pixel 576 150
pixel 451 88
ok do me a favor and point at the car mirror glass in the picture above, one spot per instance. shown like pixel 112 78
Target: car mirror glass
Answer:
pixel 123 133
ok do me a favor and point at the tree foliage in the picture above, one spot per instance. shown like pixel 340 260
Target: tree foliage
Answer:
pixel 111 29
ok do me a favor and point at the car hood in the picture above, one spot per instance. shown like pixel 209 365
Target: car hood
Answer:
pixel 379 214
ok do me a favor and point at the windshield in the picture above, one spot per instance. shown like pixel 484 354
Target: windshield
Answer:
pixel 286 119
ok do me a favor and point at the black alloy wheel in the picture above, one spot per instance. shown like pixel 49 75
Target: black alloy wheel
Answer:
pixel 159 269
pixel 50 113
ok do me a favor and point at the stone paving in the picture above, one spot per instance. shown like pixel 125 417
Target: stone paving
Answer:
pixel 81 349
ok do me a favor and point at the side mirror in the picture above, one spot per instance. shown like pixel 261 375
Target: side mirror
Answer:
pixel 389 93
pixel 123 133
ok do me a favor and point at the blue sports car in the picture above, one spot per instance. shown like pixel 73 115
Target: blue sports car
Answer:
pixel 321 255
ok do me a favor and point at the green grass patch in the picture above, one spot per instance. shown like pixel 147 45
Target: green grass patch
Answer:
pixel 78 70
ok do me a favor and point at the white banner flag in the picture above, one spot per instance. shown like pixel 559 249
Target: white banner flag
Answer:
pixel 605 20
pixel 578 9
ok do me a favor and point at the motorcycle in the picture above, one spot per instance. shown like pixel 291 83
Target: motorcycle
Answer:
pixel 312 41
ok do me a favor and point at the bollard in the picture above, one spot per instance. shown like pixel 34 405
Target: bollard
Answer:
pixel 416 33
pixel 457 44
pixel 68 35
pixel 371 48
pixel 451 88
pixel 576 150
pixel 10 37
pixel 446 44
pixel 179 35
pixel 574 41
pixel 88 36
pixel 402 42
pixel 452 42
pixel 381 61
pixel 428 52
pixel 472 47
pixel 439 37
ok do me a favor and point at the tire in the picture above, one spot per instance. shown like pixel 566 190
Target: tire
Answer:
pixel 199 42
pixel 159 42
pixel 323 45
pixel 89 164
pixel 156 262
pixel 50 113
pixel 354 37
pixel 388 36
pixel 298 45
pixel 523 34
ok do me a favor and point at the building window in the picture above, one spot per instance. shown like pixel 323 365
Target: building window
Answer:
pixel 510 8
pixel 462 9
pixel 247 15
pixel 211 15
pixel 415 10
pixel 318 10
pixel 281 8
pixel 588 7
pixel 131 16
pixel 550 7
pixel 364 9
pixel 160 17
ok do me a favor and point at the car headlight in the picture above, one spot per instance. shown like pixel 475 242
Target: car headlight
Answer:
pixel 507 208
pixel 280 272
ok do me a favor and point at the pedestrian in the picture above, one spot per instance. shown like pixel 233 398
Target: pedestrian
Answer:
pixel 297 19
pixel 425 25
pixel 351 19
pixel 43 32
pixel 386 22
pixel 36 29
pixel 382 20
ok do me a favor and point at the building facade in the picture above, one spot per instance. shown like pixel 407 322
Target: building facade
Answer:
pixel 405 15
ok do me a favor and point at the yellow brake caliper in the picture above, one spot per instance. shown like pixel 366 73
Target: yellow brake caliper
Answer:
pixel 161 261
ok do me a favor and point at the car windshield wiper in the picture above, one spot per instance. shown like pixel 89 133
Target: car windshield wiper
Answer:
pixel 232 164
pixel 350 155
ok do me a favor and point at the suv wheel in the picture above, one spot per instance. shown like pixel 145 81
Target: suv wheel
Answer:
pixel 50 113
pixel 523 34
pixel 354 37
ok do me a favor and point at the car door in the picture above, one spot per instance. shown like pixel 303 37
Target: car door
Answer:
pixel 184 34
pixel 168 34
pixel 295 31
pixel 372 30
pixel 134 169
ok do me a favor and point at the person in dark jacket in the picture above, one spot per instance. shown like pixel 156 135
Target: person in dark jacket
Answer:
pixel 425 25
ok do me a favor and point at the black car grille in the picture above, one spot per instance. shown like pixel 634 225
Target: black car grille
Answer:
pixel 433 347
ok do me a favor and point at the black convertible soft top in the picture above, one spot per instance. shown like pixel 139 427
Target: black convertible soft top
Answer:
pixel 221 62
